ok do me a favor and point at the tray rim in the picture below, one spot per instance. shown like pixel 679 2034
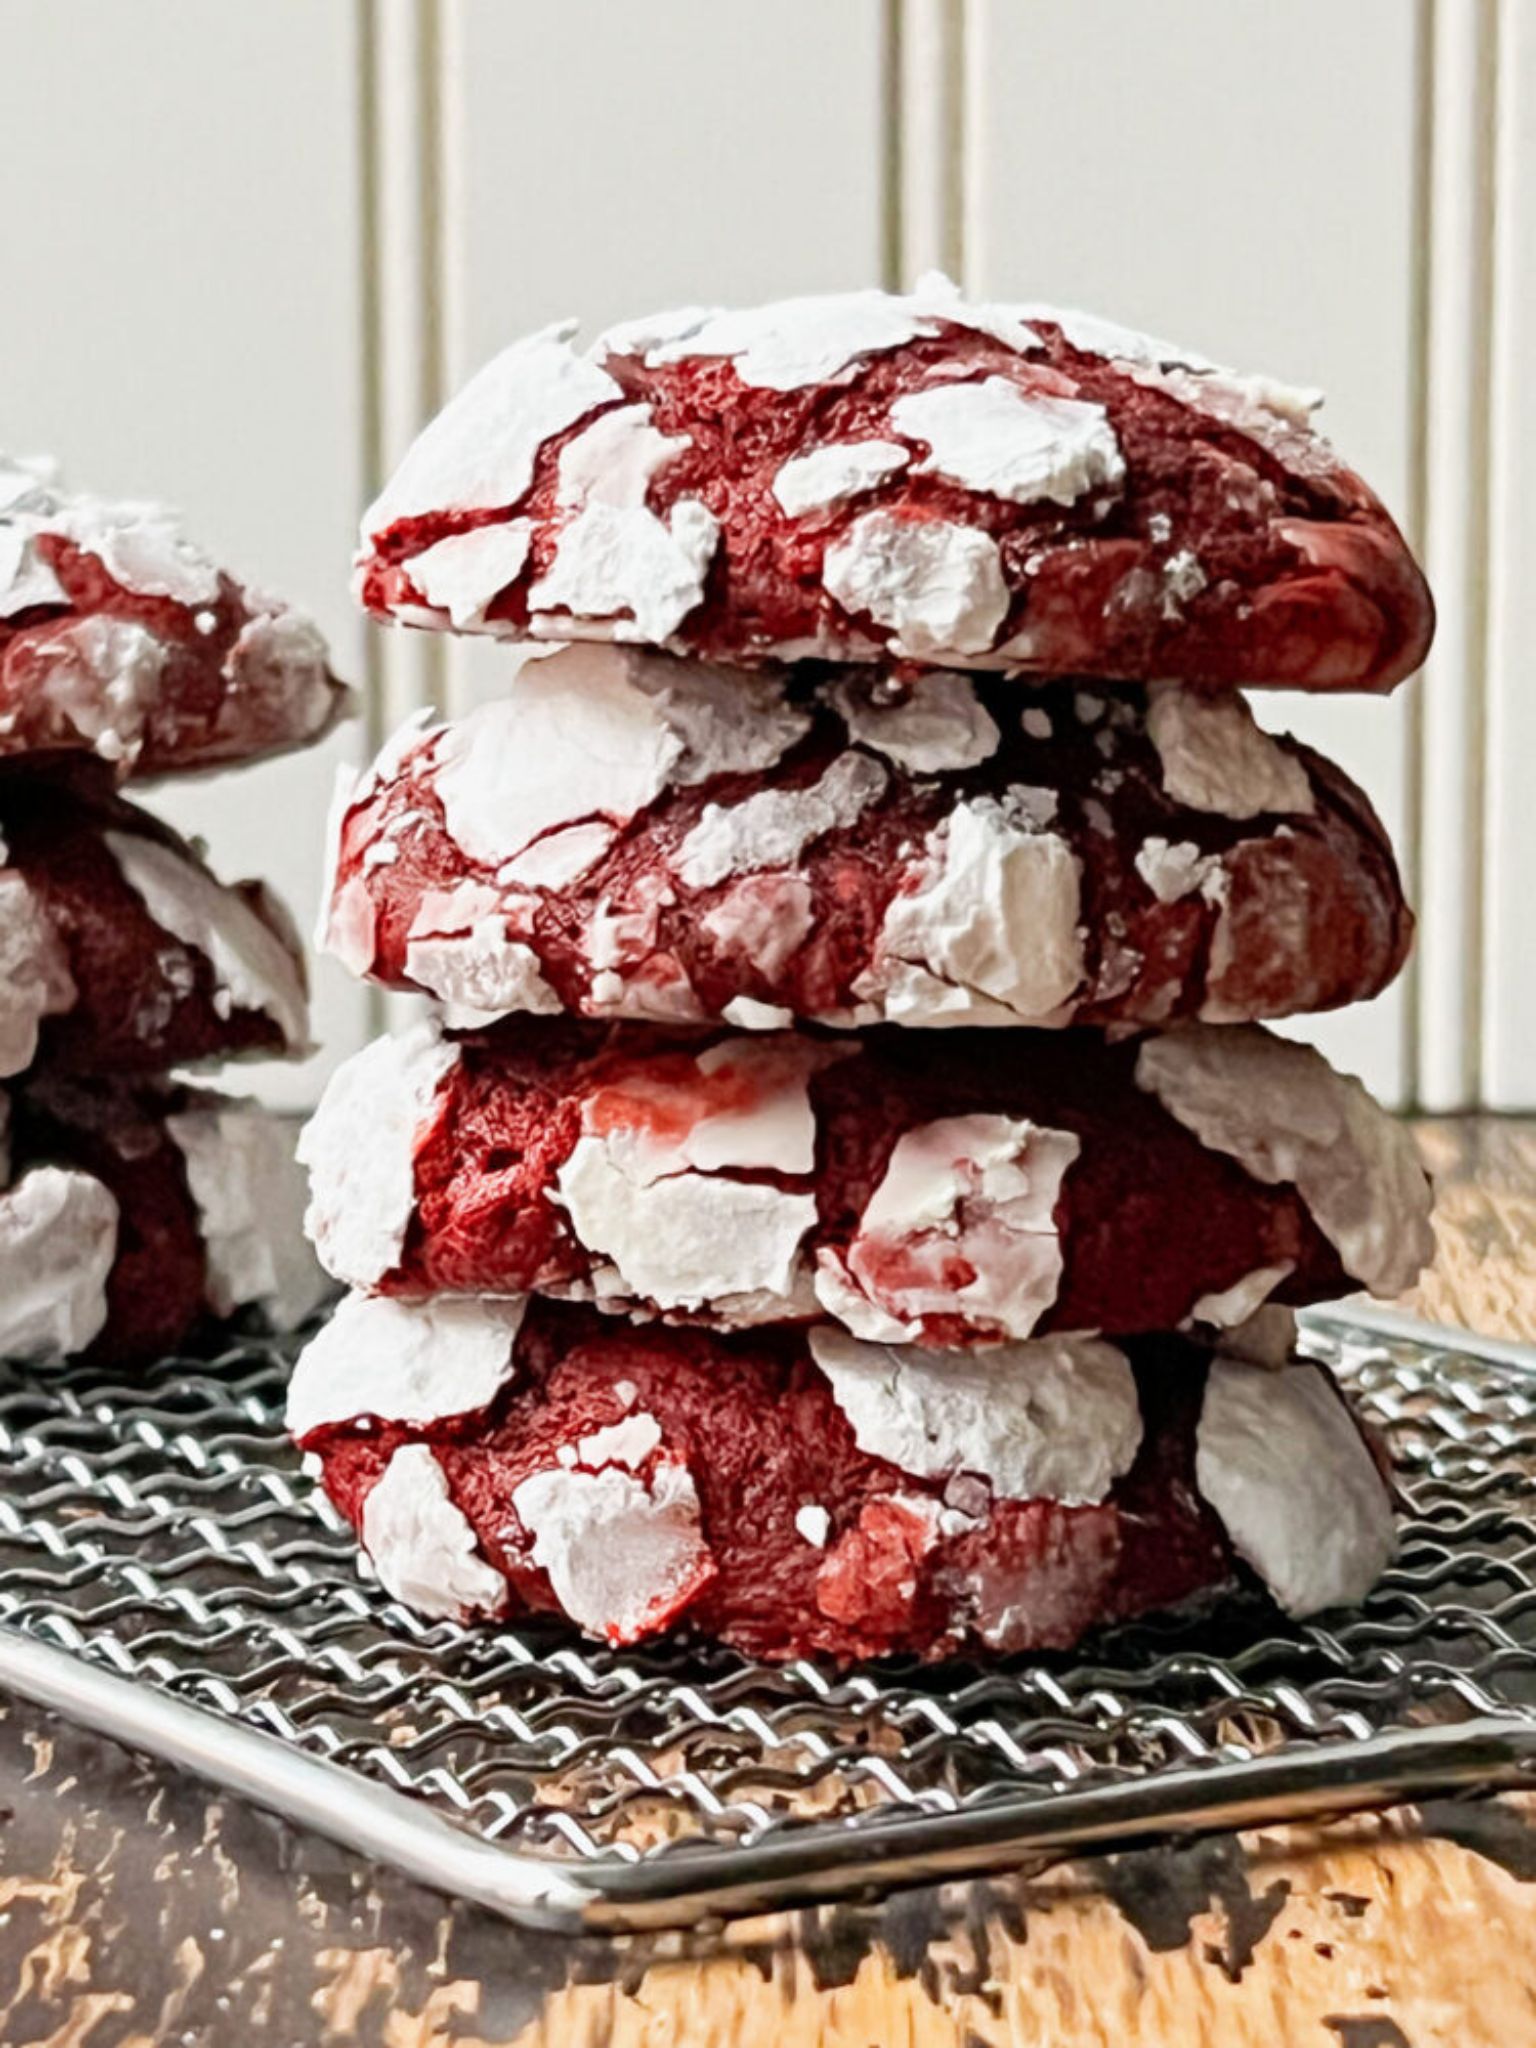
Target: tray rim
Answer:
pixel 861 1855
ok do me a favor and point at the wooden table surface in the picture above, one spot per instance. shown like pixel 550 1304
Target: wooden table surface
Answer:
pixel 137 1908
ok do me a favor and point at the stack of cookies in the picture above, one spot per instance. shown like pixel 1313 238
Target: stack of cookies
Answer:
pixel 135 1206
pixel 848 1202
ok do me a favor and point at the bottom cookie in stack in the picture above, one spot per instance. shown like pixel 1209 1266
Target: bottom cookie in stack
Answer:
pixel 132 1215
pixel 797 1491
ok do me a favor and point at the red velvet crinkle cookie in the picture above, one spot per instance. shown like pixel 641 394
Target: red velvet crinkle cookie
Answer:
pixel 866 477
pixel 977 1189
pixel 129 1218
pixel 121 954
pixel 121 639
pixel 627 834
pixel 802 1493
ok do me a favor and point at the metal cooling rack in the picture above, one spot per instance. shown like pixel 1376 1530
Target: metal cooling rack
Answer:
pixel 169 1577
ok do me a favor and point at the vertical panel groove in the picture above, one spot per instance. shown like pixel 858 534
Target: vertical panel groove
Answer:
pixel 1456 508
pixel 956 162
pixel 932 148
pixel 1421 229
pixel 430 358
pixel 892 145
pixel 371 392
pixel 1509 848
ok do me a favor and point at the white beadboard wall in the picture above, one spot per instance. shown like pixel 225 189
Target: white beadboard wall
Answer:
pixel 249 247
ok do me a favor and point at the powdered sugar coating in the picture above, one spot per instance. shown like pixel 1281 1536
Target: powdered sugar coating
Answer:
pixel 58 1242
pixel 35 981
pixel 479 453
pixel 993 439
pixel 624 1555
pixel 359 1147
pixel 463 573
pixel 940 725
pixel 833 474
pixel 622 563
pixel 995 915
pixel 421 1544
pixel 1123 508
pixel 665 837
pixel 1283 1463
pixel 119 636
pixel 374 1357
pixel 178 1246
pixel 937 587
pixel 962 1224
pixel 652 1481
pixel 772 828
pixel 987 1188
pixel 1283 1112
pixel 98 975
pixel 253 968
pixel 249 1193
pixel 1216 757
pixel 1058 1418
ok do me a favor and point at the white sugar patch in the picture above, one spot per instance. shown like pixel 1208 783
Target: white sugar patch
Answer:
pixel 422 1546
pixel 1282 1112
pixel 834 473
pixel 1172 872
pixel 937 586
pixel 646 1185
pixel 463 574
pixel 616 559
pixel 1216 758
pixel 58 1244
pixel 613 461
pixel 1097 336
pixel 560 857
pixel 962 1224
pixel 479 452
pixel 1282 1463
pixel 252 968
pixel 142 547
pixel 996 912
pixel 685 1240
pixel 1243 1299
pixel 624 1556
pixel 246 1183
pixel 763 920
pixel 481 974
pixel 1054 1419
pixel 550 754
pixel 791 343
pixel 939 727
pixel 35 981
pixel 773 827
pixel 100 679
pixel 412 1362
pixel 1022 447
pixel 748 1014
pixel 360 1148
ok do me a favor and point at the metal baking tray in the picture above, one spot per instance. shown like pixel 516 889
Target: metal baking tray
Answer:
pixel 169 1577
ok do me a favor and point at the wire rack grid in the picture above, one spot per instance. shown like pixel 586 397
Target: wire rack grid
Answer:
pixel 169 1576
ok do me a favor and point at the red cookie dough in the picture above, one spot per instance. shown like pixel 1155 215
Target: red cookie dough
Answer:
pixel 798 1493
pixel 131 1218
pixel 121 954
pixel 968 1190
pixel 627 834
pixel 918 478
pixel 121 639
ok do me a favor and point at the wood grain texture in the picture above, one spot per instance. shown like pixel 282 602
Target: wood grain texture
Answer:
pixel 136 1908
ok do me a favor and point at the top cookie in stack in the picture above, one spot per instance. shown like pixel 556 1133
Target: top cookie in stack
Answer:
pixel 135 1206
pixel 898 649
